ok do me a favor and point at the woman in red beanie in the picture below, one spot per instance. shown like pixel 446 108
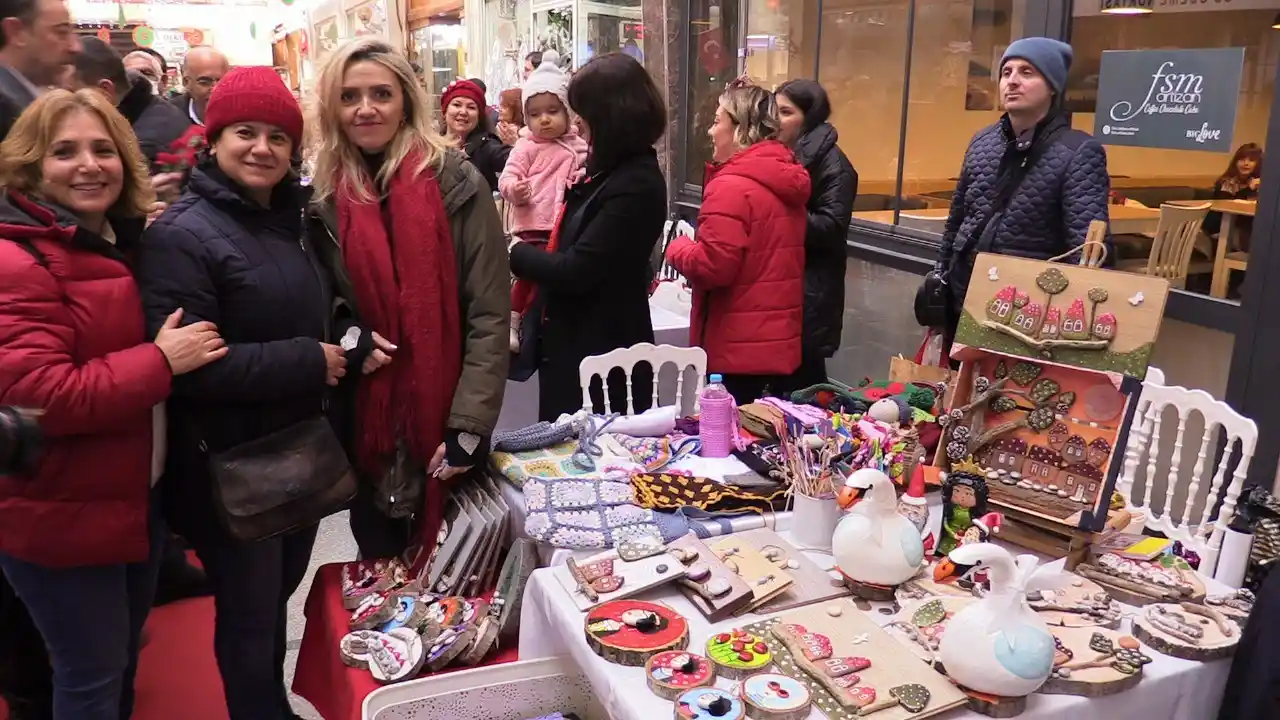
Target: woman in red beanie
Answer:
pixel 411 237
pixel 79 542
pixel 466 127
pixel 229 251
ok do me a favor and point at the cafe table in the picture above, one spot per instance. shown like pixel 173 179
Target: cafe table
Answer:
pixel 1230 209
pixel 551 625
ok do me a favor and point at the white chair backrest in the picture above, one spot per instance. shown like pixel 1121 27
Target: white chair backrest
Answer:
pixel 1155 376
pixel 656 356
pixel 1175 239
pixel 1182 487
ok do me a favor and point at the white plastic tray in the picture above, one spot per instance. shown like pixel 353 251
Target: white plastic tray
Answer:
pixel 511 691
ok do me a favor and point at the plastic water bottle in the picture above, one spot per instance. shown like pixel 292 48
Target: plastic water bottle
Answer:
pixel 718 422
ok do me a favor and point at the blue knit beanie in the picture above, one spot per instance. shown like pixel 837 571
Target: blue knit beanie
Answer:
pixel 1051 57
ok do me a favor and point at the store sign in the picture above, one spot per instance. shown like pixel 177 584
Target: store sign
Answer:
pixel 1098 7
pixel 1172 99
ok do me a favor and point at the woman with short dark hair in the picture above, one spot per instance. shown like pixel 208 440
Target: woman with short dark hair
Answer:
pixel 593 278
pixel 803 110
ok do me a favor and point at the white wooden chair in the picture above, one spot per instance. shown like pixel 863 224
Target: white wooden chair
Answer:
pixel 657 356
pixel 1182 489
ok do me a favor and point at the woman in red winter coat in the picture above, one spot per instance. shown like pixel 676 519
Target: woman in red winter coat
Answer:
pixel 78 542
pixel 747 265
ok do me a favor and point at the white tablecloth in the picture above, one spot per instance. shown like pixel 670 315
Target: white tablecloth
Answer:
pixel 520 405
pixel 551 625
pixel 714 468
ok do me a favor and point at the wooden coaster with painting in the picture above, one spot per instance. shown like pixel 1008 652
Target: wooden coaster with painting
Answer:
pixel 1069 600
pixel 375 610
pixel 773 696
pixel 850 665
pixel 409 611
pixel 395 656
pixel 709 704
pixel 708 583
pixel 354 648
pixel 1187 631
pixel 1094 662
pixel 486 634
pixel 629 632
pixel 362 578
pixel 737 653
pixel 671 673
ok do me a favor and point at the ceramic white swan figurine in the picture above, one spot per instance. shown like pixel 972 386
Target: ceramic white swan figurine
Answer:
pixel 873 543
pixel 996 645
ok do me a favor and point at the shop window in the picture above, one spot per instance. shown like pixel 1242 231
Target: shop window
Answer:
pixel 862 64
pixel 712 58
pixel 1148 177
pixel 781 41
pixel 955 66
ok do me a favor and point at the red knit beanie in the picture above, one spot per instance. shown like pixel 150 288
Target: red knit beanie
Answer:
pixel 253 94
pixel 462 88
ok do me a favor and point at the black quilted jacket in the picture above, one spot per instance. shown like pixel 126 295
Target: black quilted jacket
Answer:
pixel 1050 211
pixel 830 206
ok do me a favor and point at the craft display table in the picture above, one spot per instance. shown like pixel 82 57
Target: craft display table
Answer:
pixel 714 468
pixel 520 404
pixel 551 625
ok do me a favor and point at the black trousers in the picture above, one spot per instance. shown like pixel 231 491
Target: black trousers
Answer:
pixel 377 535
pixel 1253 687
pixel 26 678
pixel 252 582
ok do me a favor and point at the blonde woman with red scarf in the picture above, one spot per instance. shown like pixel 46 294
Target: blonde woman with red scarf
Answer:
pixel 410 234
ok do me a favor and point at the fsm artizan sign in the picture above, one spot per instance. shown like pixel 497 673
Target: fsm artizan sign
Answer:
pixel 1173 99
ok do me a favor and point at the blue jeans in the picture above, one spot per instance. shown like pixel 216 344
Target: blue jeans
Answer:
pixel 91 619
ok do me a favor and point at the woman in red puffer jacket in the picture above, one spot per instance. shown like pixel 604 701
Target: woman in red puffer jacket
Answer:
pixel 77 534
pixel 746 267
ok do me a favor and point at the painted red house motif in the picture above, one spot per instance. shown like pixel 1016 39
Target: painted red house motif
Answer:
pixel 1074 451
pixel 1052 325
pixel 1074 326
pixel 1058 435
pixel 1027 318
pixel 1104 327
pixel 1042 465
pixel 1000 309
pixel 1006 454
pixel 1081 481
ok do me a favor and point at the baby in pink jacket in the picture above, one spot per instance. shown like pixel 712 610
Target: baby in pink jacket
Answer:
pixel 549 156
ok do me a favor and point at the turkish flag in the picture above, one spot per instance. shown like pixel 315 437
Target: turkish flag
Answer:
pixel 711 51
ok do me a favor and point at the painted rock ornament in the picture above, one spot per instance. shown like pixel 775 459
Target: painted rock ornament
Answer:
pixel 709 704
pixel 738 653
pixel 773 696
pixel 672 673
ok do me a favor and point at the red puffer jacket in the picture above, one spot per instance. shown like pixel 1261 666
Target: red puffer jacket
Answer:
pixel 73 344
pixel 747 266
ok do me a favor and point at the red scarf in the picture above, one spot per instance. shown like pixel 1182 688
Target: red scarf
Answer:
pixel 405 280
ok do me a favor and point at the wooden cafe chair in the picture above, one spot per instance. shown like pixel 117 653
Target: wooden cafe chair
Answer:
pixel 1171 249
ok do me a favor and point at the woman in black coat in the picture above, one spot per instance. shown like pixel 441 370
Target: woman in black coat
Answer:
pixel 230 252
pixel 803 110
pixel 593 280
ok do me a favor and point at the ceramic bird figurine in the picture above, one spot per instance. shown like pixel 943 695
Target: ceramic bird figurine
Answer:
pixel 996 645
pixel 873 543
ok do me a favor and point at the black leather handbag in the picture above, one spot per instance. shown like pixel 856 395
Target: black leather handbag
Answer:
pixel 282 482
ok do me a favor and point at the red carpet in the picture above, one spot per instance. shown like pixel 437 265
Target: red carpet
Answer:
pixel 177 675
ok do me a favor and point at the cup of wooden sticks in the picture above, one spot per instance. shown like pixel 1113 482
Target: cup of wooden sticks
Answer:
pixel 808 464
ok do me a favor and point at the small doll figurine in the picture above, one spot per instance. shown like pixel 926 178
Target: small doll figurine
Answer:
pixel 913 506
pixel 964 499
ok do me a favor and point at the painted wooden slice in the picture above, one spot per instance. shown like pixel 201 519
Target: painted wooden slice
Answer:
pixel 448 645
pixel 354 648
pixel 738 653
pixel 519 564
pixel 716 590
pixel 709 704
pixel 486 636
pixel 629 632
pixel 1094 662
pixel 1236 605
pixel 410 611
pixel 395 656
pixel 1187 631
pixel 373 611
pixel 771 696
pixel 363 578
pixel 1068 600
pixel 673 672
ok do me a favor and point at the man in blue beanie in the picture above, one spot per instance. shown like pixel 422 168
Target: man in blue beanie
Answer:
pixel 1030 184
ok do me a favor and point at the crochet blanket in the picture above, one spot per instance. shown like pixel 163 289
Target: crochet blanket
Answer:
pixel 592 514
